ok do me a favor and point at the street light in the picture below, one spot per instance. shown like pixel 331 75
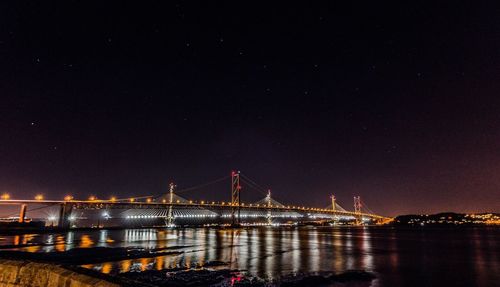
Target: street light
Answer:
pixel 68 198
pixel 39 197
pixel 5 196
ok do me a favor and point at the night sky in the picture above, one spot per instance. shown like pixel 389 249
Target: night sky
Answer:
pixel 396 102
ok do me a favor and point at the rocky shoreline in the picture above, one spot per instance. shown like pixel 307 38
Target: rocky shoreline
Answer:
pixel 213 273
pixel 227 277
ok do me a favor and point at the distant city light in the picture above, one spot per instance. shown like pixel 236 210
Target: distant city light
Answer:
pixel 68 198
pixel 39 197
pixel 5 196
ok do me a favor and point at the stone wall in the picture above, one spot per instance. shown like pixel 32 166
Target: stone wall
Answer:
pixel 25 273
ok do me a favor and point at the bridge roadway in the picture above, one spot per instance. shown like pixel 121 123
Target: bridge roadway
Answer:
pixel 182 210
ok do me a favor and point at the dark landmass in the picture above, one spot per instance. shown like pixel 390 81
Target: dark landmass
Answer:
pixel 448 218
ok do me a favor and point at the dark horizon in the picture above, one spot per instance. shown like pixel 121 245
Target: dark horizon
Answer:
pixel 396 103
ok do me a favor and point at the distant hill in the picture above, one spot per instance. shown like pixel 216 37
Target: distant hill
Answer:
pixel 448 218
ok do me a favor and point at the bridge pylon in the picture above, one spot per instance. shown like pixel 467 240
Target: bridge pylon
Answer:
pixel 333 201
pixel 357 209
pixel 269 204
pixel 235 197
pixel 170 215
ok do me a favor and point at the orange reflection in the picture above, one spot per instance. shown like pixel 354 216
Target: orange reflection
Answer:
pixel 88 266
pixel 27 238
pixel 106 267
pixel 144 263
pixel 125 265
pixel 159 263
pixel 32 248
pixel 86 241
pixel 60 245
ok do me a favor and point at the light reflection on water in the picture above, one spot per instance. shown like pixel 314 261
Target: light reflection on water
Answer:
pixel 398 256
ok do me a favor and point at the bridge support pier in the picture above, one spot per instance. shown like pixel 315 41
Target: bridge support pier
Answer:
pixel 22 213
pixel 64 213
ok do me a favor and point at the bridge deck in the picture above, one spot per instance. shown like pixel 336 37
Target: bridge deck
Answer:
pixel 105 204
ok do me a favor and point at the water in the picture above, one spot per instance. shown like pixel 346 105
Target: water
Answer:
pixel 398 256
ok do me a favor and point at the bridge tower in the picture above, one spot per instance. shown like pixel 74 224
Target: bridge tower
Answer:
pixel 357 209
pixel 333 201
pixel 269 203
pixel 170 215
pixel 235 197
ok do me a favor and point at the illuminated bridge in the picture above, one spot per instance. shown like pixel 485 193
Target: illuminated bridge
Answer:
pixel 171 210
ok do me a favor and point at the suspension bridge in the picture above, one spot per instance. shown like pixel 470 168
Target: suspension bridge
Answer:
pixel 170 209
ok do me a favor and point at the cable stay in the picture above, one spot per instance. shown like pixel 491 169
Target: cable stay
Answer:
pixel 259 188
pixel 337 207
pixel 270 202
pixel 366 207
pixel 203 184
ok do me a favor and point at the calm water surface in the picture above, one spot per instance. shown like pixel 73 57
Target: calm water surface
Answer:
pixel 398 256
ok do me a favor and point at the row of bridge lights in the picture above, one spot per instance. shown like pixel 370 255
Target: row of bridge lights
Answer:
pixel 6 196
pixel 40 197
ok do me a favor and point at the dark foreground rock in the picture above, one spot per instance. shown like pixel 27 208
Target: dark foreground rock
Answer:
pixel 351 277
pixel 227 277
